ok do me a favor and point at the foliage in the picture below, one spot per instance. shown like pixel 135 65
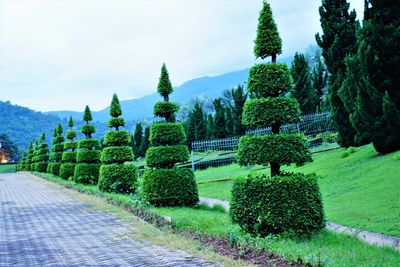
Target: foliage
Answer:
pixel 86 173
pixel 300 213
pixel 319 77
pixel 266 111
pixel 137 139
pixel 67 170
pixel 119 178
pixel 116 154
pixel 164 87
pixel 164 134
pixel 239 98
pixel 68 158
pixel 170 187
pixel 219 120
pixel 145 144
pixel 9 147
pixel 166 110
pixel 303 90
pixel 166 156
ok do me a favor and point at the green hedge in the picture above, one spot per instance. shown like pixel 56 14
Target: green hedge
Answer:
pixel 71 134
pixel 67 170
pixel 166 134
pixel 57 148
pixel 166 110
pixel 55 157
pixel 166 156
pixel 284 149
pixel 170 187
pixel 116 154
pixel 283 204
pixel 119 178
pixel 266 111
pixel 40 166
pixel 88 156
pixel 117 138
pixel 69 156
pixel 116 122
pixel 41 158
pixel 54 168
pixel 70 145
pixel 88 129
pixel 269 80
pixel 89 144
pixel 86 173
pixel 58 140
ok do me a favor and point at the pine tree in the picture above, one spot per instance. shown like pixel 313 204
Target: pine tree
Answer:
pixel 117 173
pixel 303 90
pixel 69 155
pixel 229 126
pixel 319 78
pixel 199 122
pixel 137 139
pixel 380 77
pixel 239 98
pixel 219 119
pixel 145 143
pixel 338 40
pixel 164 184
pixel 164 87
pixel 190 130
pixel 210 127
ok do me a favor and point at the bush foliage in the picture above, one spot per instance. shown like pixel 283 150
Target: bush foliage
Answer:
pixel 166 156
pixel 166 134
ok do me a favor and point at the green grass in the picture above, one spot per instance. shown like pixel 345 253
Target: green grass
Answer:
pixel 327 247
pixel 8 168
pixel 361 190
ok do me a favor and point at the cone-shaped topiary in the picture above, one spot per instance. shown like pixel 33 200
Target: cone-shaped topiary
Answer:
pixel 41 154
pixel 284 202
pixel 57 149
pixel 117 172
pixel 22 162
pixel 29 157
pixel 164 184
pixel 69 156
pixel 88 156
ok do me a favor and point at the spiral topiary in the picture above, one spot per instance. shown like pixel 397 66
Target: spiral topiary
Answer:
pixel 41 154
pixel 163 183
pixel 69 156
pixel 117 172
pixel 57 149
pixel 88 156
pixel 284 202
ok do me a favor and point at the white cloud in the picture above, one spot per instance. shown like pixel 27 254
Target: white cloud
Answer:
pixel 61 54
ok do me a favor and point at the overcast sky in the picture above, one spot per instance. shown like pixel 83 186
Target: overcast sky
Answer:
pixel 62 55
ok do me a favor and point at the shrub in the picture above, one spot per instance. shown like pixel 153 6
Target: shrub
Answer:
pixel 88 129
pixel 117 138
pixel 119 178
pixel 89 144
pixel 54 168
pixel 116 122
pixel 116 154
pixel 41 166
pixel 396 157
pixel 67 170
pixel 351 149
pixel 266 111
pixel 170 187
pixel 70 145
pixel 257 205
pixel 166 110
pixel 344 154
pixel 88 156
pixel 86 173
pixel 269 80
pixel 69 156
pixel 166 156
pixel 166 134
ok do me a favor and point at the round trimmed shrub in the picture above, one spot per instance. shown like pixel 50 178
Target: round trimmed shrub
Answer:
pixel 67 170
pixel 70 145
pixel 71 134
pixel 88 156
pixel 284 149
pixel 117 138
pixel 58 140
pixel 116 154
pixel 116 122
pixel 41 166
pixel 269 80
pixel 88 129
pixel 166 134
pixel 86 173
pixel 57 157
pixel 88 144
pixel 257 205
pixel 69 157
pixel 166 156
pixel 119 178
pixel 170 187
pixel 166 110
pixel 54 168
pixel 266 111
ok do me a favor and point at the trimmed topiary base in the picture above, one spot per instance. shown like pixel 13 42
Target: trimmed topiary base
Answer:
pixel 86 173
pixel 67 170
pixel 119 178
pixel 170 187
pixel 41 167
pixel 54 168
pixel 289 204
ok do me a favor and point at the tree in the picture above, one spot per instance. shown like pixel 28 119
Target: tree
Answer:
pixel 219 119
pixel 271 205
pixel 164 87
pixel 210 127
pixel 69 155
pixel 378 99
pixel 116 173
pixel 145 143
pixel 303 90
pixel 229 125
pixel 29 157
pixel 88 155
pixel 163 183
pixel 319 78
pixel 8 146
pixel 338 40
pixel 41 155
pixel 239 98
pixel 199 122
pixel 190 128
pixel 137 139
pixel 57 149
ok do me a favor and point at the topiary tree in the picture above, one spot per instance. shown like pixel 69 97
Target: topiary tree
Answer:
pixel 69 155
pixel 117 172
pixel 29 157
pixel 57 149
pixel 283 202
pixel 41 154
pixel 163 183
pixel 22 162
pixel 88 156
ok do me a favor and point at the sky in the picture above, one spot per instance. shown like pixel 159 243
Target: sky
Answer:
pixel 65 54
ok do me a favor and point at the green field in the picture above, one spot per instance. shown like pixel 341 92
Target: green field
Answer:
pixel 7 168
pixel 361 190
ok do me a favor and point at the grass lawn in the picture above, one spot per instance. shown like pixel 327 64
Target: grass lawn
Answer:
pixel 361 190
pixel 328 248
pixel 8 168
